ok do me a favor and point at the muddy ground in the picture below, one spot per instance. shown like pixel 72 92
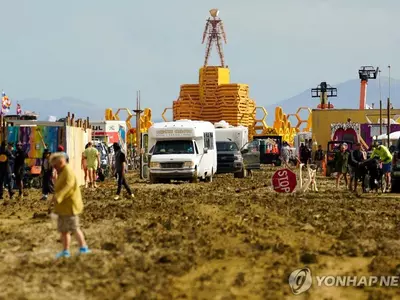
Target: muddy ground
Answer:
pixel 231 239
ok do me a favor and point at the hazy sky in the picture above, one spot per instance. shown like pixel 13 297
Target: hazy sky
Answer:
pixel 102 51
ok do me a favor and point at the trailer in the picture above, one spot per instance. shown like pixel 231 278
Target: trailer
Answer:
pixel 110 132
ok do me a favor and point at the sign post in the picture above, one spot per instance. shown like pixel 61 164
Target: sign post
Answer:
pixel 284 181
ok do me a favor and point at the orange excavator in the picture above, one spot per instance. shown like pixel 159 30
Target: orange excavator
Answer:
pixel 365 73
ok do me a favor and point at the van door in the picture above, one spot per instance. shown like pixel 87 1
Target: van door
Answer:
pixel 251 155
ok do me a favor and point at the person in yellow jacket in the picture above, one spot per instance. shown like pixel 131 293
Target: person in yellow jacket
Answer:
pixel 68 204
pixel 384 155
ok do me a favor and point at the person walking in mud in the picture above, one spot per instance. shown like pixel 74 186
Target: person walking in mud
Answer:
pixel 48 175
pixel 92 157
pixel 10 147
pixel 68 205
pixel 19 168
pixel 5 170
pixel 285 155
pixel 120 168
pixel 341 167
pixel 84 166
pixel 357 172
pixel 319 158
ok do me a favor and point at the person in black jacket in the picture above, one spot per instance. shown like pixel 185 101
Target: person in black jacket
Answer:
pixel 19 168
pixel 358 172
pixel 120 167
pixel 48 174
pixel 5 170
pixel 319 158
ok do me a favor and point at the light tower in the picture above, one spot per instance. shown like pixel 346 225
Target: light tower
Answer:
pixel 365 73
pixel 215 31
pixel 324 91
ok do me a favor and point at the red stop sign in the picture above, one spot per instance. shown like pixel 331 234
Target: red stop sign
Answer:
pixel 284 181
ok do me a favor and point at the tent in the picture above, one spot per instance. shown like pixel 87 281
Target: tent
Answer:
pixel 393 136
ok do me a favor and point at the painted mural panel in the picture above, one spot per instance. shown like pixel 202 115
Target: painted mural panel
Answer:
pixel 34 139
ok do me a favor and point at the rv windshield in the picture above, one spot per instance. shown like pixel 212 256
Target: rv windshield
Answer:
pixel 227 146
pixel 174 147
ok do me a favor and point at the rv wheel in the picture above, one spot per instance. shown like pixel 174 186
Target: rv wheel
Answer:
pixel 152 179
pixel 241 174
pixel 195 178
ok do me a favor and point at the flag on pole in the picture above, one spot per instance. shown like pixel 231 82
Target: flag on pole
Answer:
pixel 19 110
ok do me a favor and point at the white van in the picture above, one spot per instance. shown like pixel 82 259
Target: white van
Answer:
pixel 182 150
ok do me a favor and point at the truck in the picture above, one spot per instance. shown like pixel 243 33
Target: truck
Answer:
pixel 110 132
pixel 230 143
pixel 182 150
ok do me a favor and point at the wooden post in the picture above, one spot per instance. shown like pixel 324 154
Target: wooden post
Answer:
pixel 73 120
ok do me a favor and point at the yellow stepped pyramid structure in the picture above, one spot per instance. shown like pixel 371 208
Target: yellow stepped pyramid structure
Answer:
pixel 215 99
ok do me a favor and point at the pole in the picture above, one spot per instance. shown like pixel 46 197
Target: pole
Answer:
pixel 388 122
pixel 389 80
pixel 380 117
pixel 138 142
pixel 380 86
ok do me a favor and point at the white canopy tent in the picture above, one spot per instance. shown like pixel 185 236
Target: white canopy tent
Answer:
pixel 392 136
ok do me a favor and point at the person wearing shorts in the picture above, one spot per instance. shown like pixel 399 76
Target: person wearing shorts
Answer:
pixel 385 157
pixel 84 166
pixel 92 157
pixel 68 205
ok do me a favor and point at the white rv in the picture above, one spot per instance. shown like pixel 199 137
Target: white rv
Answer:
pixel 226 132
pixel 182 150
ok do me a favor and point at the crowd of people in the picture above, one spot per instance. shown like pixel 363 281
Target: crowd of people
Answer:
pixel 351 165
pixel 60 181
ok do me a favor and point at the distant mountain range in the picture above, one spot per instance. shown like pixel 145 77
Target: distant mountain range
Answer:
pixel 60 108
pixel 348 97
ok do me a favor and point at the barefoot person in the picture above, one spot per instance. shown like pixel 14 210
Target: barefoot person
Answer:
pixel 68 205
pixel 84 166
pixel 92 156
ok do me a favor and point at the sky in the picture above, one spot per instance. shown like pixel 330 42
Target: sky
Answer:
pixel 103 51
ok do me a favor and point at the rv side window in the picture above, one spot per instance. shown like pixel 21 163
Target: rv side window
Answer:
pixel 195 148
pixel 209 140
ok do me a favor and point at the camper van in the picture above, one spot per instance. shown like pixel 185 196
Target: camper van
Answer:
pixel 230 143
pixel 182 150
